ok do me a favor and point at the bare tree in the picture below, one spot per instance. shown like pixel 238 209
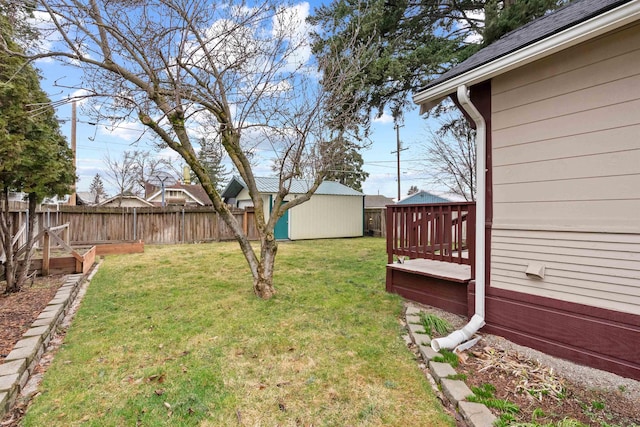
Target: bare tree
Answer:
pixel 451 157
pixel 148 166
pixel 413 190
pixel 121 173
pixel 190 67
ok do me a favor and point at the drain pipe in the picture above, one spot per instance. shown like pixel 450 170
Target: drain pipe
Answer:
pixel 477 321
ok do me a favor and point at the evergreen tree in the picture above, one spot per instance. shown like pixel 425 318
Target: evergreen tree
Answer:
pixel 211 154
pixel 502 16
pixel 410 43
pixel 347 168
pixel 35 157
pixel 97 188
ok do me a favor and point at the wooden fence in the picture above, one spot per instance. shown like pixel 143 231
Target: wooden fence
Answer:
pixel 375 223
pixel 153 225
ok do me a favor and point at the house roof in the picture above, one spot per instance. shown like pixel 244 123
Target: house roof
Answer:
pixel 87 198
pixel 195 191
pixel 574 23
pixel 270 185
pixel 136 198
pixel 422 197
pixel 376 201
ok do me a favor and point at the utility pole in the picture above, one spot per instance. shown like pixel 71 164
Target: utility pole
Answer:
pixel 398 150
pixel 72 197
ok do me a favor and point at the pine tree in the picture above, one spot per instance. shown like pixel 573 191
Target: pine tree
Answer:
pixel 344 163
pixel 408 44
pixel 97 188
pixel 211 155
pixel 35 157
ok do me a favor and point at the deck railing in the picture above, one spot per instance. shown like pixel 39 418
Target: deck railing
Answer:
pixel 441 231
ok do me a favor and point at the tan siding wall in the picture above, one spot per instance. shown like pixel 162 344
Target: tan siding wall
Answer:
pixel 326 217
pixel 596 269
pixel 566 157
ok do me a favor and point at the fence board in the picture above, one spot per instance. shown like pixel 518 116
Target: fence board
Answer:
pixel 375 222
pixel 169 225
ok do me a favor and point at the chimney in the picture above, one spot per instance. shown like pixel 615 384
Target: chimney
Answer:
pixel 186 175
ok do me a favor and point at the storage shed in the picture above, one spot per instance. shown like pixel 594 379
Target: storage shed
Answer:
pixel 334 210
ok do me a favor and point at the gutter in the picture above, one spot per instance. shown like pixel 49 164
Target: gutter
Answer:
pixel 601 24
pixel 456 338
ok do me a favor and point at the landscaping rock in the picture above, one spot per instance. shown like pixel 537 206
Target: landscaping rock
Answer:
pixel 476 414
pixel 455 390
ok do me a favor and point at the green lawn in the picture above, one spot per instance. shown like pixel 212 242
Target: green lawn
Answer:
pixel 176 337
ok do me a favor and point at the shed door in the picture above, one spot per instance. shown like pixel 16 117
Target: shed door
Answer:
pixel 281 230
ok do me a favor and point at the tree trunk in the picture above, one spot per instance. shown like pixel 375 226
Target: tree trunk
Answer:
pixel 6 228
pixel 263 274
pixel 22 270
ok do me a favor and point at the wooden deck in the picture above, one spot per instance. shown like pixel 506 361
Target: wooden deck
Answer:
pixel 460 273
pixel 437 283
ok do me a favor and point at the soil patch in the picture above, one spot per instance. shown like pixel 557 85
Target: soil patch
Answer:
pixel 545 389
pixel 19 310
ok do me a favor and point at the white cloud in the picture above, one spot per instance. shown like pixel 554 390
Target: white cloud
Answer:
pixel 127 131
pixel 473 37
pixel 385 118
pixel 291 23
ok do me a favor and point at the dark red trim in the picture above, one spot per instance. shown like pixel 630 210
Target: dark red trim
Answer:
pixel 437 292
pixel 481 98
pixel 596 337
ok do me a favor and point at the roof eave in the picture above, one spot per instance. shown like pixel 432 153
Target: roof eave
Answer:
pixel 601 24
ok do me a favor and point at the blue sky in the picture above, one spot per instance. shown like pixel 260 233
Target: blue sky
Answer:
pixel 96 141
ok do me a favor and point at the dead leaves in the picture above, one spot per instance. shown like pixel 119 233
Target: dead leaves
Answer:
pixel 532 378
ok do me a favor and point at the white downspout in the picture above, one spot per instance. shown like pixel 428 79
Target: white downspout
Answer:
pixel 477 321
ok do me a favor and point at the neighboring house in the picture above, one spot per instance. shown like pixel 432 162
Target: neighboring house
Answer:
pixel 125 202
pixel 376 201
pixel 87 198
pixel 178 195
pixel 422 197
pixel 556 105
pixel 334 210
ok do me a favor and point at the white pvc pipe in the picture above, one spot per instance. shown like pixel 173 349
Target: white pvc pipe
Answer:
pixel 477 321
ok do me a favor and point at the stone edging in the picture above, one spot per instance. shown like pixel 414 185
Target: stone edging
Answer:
pixel 456 391
pixel 20 362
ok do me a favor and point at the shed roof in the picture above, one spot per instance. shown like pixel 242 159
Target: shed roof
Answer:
pixel 573 23
pixel 422 197
pixel 270 185
pixel 376 201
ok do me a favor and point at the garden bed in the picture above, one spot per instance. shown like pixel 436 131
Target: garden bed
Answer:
pixel 19 310
pixel 546 390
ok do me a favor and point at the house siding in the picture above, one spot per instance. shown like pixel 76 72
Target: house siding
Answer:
pixel 325 216
pixel 243 200
pixel 566 168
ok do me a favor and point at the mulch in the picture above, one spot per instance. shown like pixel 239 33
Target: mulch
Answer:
pixel 544 396
pixel 19 310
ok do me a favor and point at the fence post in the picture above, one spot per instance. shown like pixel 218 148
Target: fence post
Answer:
pixel 135 223
pixel 46 254
pixel 26 217
pixel 65 234
pixel 183 225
